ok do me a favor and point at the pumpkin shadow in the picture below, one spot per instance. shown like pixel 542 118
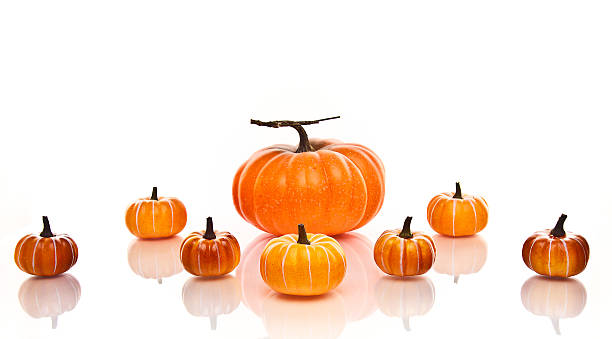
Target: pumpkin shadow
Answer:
pixel 211 297
pixel 405 297
pixel 356 289
pixel 458 256
pixel 556 298
pixel 296 317
pixel 155 258
pixel 43 297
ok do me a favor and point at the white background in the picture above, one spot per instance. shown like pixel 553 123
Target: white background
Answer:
pixel 100 100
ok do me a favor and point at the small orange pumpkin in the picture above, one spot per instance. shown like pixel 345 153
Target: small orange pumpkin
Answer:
pixel 46 254
pixel 457 214
pixel 332 187
pixel 404 253
pixel 303 263
pixel 154 217
pixel 556 253
pixel 210 253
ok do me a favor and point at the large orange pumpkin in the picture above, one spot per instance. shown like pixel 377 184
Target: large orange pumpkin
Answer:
pixel 457 256
pixel 210 253
pixel 330 186
pixel 556 253
pixel 49 297
pixel 404 253
pixel 554 298
pixel 156 217
pixel 302 264
pixel 155 259
pixel 46 254
pixel 456 214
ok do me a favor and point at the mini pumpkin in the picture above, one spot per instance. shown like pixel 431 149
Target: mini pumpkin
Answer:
pixel 556 253
pixel 457 214
pixel 210 298
pixel 332 187
pixel 460 256
pixel 156 217
pixel 46 254
pixel 155 259
pixel 49 297
pixel 210 253
pixel 405 298
pixel 303 263
pixel 404 253
pixel 554 298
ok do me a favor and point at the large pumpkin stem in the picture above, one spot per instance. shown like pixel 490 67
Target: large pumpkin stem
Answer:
pixel 210 232
pixel 457 191
pixel 302 236
pixel 154 194
pixel 46 233
pixel 558 231
pixel 405 233
pixel 304 145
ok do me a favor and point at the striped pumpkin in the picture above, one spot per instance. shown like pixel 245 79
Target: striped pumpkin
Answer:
pixel 46 254
pixel 154 217
pixel 303 263
pixel 404 253
pixel 556 253
pixel 210 253
pixel 456 214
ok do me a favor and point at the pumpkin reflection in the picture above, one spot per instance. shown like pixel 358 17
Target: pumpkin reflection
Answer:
pixel 42 297
pixel 554 298
pixel 296 317
pixel 155 259
pixel 356 290
pixel 457 256
pixel 211 297
pixel 405 297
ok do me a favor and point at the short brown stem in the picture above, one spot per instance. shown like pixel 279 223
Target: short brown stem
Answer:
pixel 302 236
pixel 210 232
pixel 405 233
pixel 46 233
pixel 304 145
pixel 154 194
pixel 558 231
pixel 457 191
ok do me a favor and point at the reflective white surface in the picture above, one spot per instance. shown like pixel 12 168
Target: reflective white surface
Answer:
pixel 101 100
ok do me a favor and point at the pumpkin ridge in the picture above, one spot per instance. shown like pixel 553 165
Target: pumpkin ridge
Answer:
pixel 252 217
pixel 346 161
pixel 258 181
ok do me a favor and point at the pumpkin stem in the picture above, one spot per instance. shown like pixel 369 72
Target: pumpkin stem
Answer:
pixel 154 194
pixel 302 236
pixel 457 191
pixel 558 231
pixel 405 233
pixel 304 145
pixel 210 233
pixel 46 233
